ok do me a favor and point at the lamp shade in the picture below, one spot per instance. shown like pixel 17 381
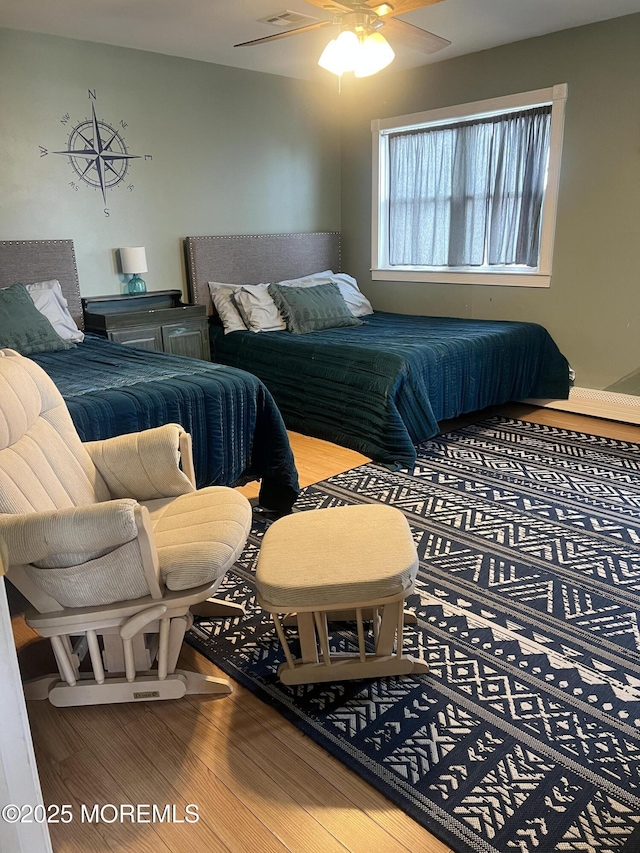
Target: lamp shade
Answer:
pixel 133 259
pixel 329 58
pixel 338 56
pixel 374 54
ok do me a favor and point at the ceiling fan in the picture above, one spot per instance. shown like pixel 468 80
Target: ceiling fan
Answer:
pixel 360 46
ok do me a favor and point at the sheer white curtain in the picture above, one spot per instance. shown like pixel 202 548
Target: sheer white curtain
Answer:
pixel 469 194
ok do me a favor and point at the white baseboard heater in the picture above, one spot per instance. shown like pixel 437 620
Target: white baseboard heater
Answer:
pixel 599 404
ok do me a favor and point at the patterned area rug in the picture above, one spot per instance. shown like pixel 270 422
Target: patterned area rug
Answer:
pixel 525 735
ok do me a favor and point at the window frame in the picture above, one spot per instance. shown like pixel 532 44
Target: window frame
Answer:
pixel 382 128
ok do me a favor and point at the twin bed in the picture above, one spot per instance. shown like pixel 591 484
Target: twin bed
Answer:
pixel 379 388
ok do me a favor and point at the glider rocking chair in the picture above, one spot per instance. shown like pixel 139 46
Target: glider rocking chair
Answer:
pixel 111 543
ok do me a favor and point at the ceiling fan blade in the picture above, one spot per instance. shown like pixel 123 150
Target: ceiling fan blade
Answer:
pixel 380 7
pixel 414 37
pixel 397 7
pixel 330 6
pixel 298 31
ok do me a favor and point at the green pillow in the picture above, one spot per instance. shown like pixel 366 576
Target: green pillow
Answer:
pixel 23 327
pixel 312 309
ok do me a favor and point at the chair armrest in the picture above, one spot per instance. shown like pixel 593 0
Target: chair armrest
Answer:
pixel 34 536
pixel 145 465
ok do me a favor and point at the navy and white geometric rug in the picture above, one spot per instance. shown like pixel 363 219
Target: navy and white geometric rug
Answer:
pixel 525 735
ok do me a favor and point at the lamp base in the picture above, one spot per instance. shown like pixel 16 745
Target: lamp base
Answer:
pixel 136 285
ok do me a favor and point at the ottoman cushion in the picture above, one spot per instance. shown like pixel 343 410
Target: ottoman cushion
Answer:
pixel 336 556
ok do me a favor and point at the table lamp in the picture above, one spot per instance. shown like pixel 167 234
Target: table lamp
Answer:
pixel 133 260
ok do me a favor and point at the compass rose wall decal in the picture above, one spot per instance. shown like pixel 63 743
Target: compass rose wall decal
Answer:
pixel 97 153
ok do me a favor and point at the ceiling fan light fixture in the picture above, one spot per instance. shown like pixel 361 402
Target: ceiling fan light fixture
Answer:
pixel 374 54
pixel 339 55
pixel 364 54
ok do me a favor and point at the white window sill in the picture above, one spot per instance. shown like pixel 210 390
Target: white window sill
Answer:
pixel 447 277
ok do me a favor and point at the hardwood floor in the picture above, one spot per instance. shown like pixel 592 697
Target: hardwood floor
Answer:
pixel 259 784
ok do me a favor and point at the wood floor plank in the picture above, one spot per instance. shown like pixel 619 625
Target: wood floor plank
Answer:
pixel 315 460
pixel 74 837
pixel 217 748
pixel 117 751
pixel 91 784
pixel 22 633
pixel 238 827
pixel 52 731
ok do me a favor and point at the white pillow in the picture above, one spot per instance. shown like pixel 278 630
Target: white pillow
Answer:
pixel 357 302
pixel 48 299
pixel 257 309
pixel 221 295
pixel 307 280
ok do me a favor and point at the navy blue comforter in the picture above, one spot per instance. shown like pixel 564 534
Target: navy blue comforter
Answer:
pixel 238 433
pixel 382 387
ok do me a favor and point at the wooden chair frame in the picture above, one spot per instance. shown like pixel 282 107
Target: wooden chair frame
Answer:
pixel 124 640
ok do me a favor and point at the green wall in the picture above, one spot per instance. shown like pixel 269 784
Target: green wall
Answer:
pixel 234 152
pixel 240 152
pixel 593 306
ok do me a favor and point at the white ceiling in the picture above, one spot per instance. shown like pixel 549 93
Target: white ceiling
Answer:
pixel 208 29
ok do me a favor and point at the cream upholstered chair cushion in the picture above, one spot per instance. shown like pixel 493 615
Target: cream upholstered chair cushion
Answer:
pixel 82 556
pixel 71 513
pixel 144 465
pixel 43 463
pixel 199 534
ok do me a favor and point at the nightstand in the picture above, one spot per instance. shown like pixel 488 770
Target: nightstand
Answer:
pixel 157 320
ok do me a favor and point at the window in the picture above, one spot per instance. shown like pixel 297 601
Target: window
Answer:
pixel 467 194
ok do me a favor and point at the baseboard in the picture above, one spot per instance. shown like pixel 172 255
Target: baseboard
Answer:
pixel 598 404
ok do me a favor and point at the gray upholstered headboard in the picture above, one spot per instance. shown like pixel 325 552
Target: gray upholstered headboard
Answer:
pixel 257 257
pixel 27 261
